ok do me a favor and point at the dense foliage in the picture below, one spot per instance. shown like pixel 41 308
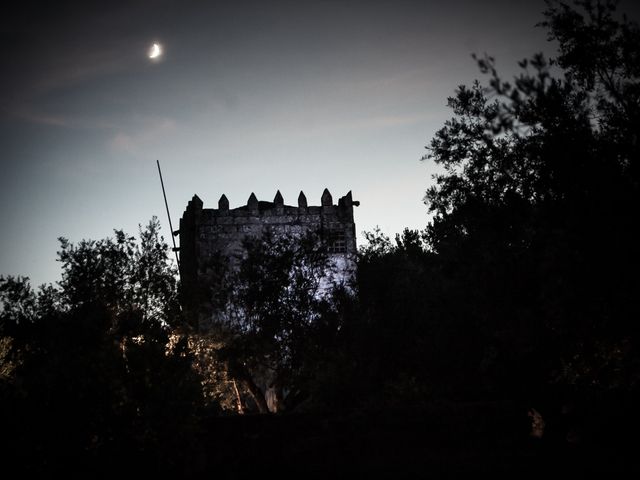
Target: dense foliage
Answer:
pixel 278 315
pixel 89 370
pixel 522 286
pixel 536 207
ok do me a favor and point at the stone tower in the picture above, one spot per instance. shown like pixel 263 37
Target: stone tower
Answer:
pixel 208 232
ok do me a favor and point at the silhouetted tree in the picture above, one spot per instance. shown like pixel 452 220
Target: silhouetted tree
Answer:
pixel 523 283
pixel 388 332
pixel 277 316
pixel 122 274
pixel 92 377
pixel 534 213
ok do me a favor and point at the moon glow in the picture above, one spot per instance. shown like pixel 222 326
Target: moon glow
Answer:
pixel 155 51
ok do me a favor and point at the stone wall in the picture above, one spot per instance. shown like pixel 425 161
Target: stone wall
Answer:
pixel 206 233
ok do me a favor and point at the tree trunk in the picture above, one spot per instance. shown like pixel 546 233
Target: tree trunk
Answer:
pixel 238 397
pixel 273 395
pixel 256 394
pixel 239 372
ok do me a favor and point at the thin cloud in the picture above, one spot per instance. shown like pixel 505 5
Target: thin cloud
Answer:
pixel 30 114
pixel 41 118
pixel 152 129
pixel 38 71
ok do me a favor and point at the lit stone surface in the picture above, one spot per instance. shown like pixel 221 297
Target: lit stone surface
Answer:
pixel 206 233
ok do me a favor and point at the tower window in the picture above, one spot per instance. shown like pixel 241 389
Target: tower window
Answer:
pixel 337 242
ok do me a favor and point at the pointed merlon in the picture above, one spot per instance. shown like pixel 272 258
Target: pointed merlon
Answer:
pixel 302 200
pixel 252 203
pixel 348 199
pixel 195 202
pixel 278 200
pixel 326 200
pixel 223 203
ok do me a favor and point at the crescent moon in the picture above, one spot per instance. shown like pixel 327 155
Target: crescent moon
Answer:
pixel 155 51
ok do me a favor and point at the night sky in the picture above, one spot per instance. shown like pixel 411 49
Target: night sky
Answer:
pixel 248 97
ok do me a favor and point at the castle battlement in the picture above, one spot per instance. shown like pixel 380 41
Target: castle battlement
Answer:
pixel 254 207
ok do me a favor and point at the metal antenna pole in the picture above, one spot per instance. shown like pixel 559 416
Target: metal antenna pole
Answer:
pixel 164 194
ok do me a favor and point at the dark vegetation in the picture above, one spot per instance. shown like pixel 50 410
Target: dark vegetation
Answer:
pixel 515 309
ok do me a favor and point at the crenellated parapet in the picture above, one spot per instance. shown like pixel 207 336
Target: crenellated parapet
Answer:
pixel 259 212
